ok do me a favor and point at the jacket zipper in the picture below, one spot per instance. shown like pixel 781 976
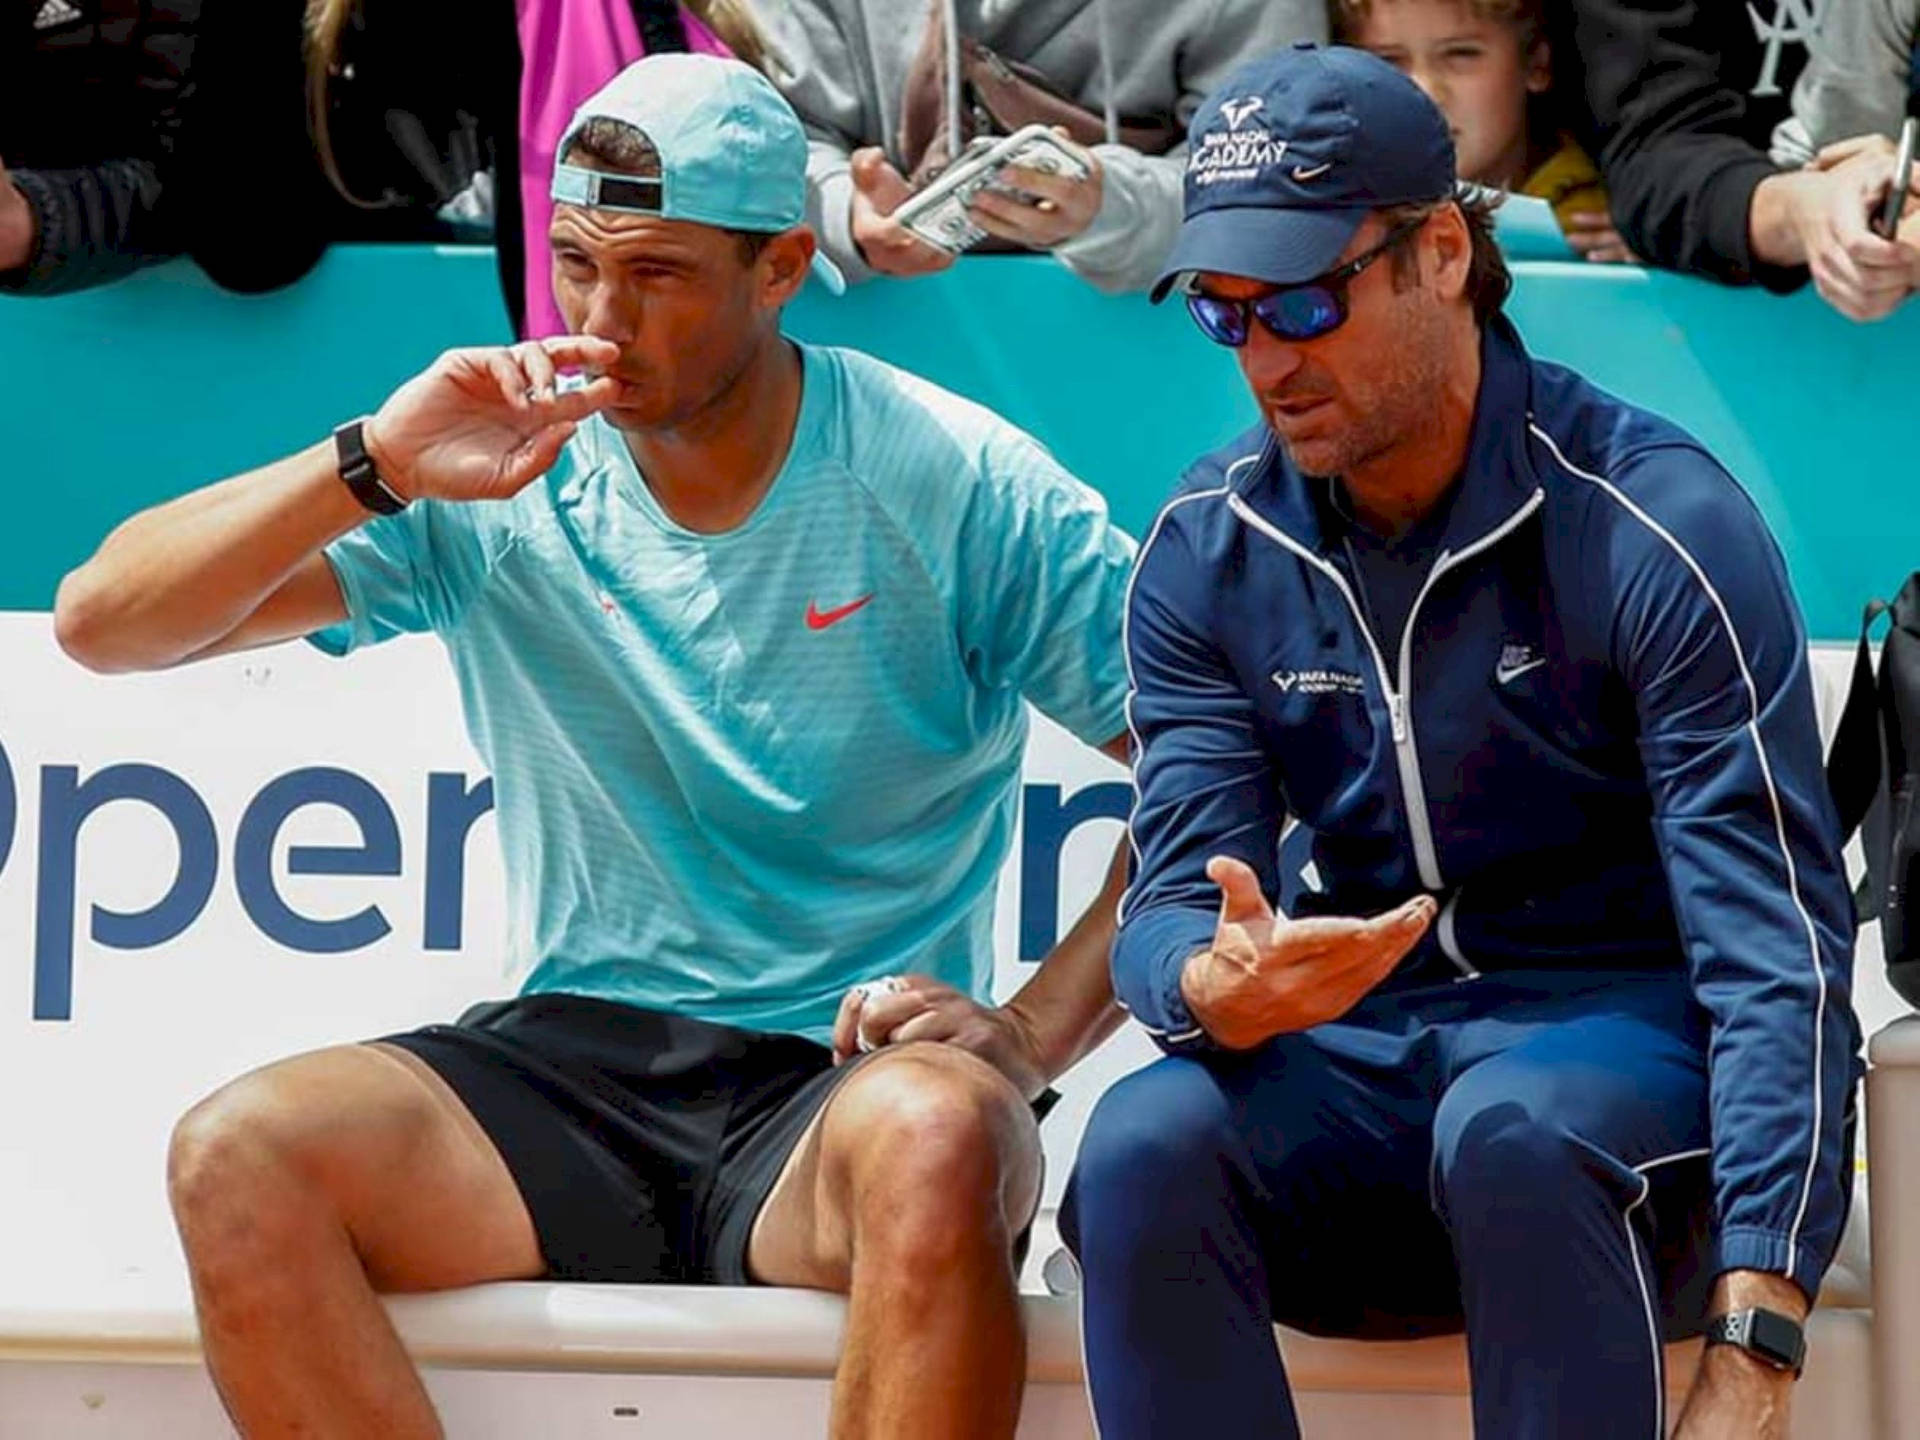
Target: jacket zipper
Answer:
pixel 1406 751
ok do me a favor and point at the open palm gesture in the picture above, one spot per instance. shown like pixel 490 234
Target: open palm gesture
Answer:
pixel 1267 975
pixel 482 423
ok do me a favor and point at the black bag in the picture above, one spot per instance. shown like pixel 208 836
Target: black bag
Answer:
pixel 1873 771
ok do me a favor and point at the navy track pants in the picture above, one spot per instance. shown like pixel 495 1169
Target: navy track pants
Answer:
pixel 1524 1156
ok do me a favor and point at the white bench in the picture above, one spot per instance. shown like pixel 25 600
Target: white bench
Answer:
pixel 578 1360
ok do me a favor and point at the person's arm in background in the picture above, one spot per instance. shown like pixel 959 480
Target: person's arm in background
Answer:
pixel 65 229
pixel 1669 131
pixel 1709 641
pixel 852 188
pixel 1131 232
pixel 1856 80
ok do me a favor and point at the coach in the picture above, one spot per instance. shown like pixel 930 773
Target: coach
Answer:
pixel 1522 662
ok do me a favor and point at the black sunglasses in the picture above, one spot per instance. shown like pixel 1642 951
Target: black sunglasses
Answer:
pixel 1297 312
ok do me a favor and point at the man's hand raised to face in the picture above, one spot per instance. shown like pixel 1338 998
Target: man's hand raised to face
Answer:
pixel 481 424
pixel 1265 975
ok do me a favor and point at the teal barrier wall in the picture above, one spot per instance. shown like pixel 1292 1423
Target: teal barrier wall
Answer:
pixel 117 398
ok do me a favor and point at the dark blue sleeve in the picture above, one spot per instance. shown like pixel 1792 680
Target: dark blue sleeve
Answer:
pixel 1202 786
pixel 1711 641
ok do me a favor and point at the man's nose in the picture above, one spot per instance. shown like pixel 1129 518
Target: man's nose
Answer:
pixel 610 316
pixel 1266 360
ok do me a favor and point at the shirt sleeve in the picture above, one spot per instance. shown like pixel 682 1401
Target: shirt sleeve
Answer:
pixel 1855 82
pixel 1042 576
pixel 97 222
pixel 406 573
pixel 1128 242
pixel 812 63
pixel 1671 133
pixel 1709 639
pixel 1202 780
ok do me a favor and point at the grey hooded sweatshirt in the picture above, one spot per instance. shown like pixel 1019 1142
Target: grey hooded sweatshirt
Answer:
pixel 843 65
pixel 1857 77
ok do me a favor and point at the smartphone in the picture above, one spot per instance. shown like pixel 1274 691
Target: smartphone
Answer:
pixel 1888 220
pixel 938 214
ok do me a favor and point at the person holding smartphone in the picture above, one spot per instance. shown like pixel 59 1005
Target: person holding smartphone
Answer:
pixel 893 90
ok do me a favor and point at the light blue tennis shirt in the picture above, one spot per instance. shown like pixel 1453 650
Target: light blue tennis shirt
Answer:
pixel 738 773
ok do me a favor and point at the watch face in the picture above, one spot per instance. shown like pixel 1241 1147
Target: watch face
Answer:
pixel 1774 1337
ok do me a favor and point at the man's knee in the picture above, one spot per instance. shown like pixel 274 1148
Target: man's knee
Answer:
pixel 1159 1153
pixel 935 1144
pixel 262 1158
pixel 1505 1166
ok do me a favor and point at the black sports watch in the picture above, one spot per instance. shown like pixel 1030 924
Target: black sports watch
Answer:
pixel 357 469
pixel 1767 1335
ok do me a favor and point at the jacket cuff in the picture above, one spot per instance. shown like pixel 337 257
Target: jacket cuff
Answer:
pixel 42 260
pixel 1730 233
pixel 1148 959
pixel 832 194
pixel 1743 1247
pixel 1123 248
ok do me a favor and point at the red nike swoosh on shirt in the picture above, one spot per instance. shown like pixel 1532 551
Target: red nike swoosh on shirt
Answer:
pixel 818 619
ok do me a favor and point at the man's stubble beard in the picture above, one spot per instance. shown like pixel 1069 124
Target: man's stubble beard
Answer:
pixel 1392 410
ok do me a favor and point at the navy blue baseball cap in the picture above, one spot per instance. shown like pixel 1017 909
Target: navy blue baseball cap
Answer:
pixel 1292 152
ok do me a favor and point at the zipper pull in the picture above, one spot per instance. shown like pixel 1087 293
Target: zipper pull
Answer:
pixel 1397 708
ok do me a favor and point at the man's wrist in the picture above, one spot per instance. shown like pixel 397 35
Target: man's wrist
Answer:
pixel 383 462
pixel 1773 218
pixel 1051 1050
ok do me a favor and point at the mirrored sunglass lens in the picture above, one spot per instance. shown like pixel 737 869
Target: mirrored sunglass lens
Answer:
pixel 1301 312
pixel 1224 322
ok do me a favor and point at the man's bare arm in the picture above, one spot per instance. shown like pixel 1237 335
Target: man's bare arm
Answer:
pixel 238 563
pixel 178 581
pixel 1065 1011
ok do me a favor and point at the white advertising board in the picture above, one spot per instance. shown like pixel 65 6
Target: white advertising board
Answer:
pixel 205 870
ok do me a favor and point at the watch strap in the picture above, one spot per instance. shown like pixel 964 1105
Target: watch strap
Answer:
pixel 360 474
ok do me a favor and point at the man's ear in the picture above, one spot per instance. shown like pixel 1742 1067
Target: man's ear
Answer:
pixel 1452 250
pixel 783 263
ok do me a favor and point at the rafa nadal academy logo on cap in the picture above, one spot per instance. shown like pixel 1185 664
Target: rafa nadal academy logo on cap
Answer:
pixel 1239 152
pixel 1237 111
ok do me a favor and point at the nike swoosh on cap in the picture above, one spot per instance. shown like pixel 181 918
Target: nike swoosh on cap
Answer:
pixel 1311 172
pixel 818 619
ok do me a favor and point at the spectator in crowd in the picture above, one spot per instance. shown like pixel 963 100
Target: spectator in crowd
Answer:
pixel 747 632
pixel 1860 78
pixel 1523 662
pixel 1680 100
pixel 890 89
pixel 1860 83
pixel 90 117
pixel 1487 65
pixel 423 120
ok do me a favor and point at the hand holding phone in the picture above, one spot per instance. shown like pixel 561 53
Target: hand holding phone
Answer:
pixel 939 214
pixel 1887 222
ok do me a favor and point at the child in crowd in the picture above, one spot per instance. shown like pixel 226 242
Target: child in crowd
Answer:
pixel 1486 64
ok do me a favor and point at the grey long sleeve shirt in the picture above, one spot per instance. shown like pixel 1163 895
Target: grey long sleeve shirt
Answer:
pixel 844 63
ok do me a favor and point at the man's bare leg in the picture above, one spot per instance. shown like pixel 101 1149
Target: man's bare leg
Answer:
pixel 906 1193
pixel 301 1192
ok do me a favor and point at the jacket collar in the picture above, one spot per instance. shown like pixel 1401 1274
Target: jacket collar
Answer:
pixel 1497 480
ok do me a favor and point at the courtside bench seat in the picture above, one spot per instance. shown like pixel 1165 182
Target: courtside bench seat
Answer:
pixel 669 1343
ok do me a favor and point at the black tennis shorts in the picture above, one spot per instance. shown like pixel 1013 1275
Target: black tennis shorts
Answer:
pixel 644 1144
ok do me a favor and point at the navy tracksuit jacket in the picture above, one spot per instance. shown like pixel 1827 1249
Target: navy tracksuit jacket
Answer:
pixel 1594 743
